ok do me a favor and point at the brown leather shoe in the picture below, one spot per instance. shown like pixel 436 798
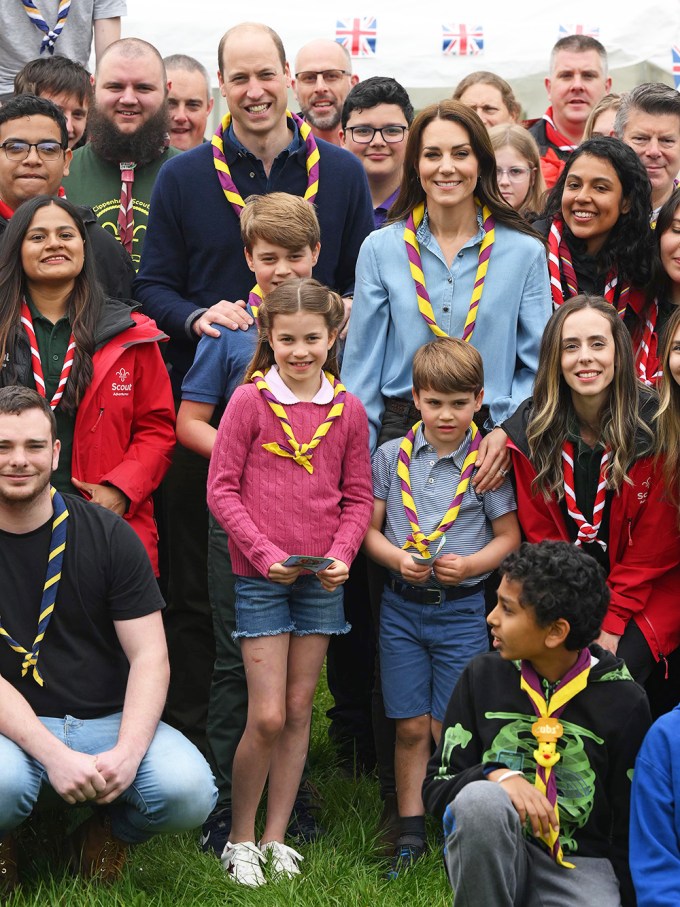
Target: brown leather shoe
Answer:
pixel 97 853
pixel 9 873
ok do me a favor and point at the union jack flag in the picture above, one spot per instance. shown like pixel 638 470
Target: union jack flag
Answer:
pixel 358 35
pixel 675 50
pixel 462 40
pixel 592 31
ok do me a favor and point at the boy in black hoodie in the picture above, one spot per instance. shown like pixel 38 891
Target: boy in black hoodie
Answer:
pixel 532 773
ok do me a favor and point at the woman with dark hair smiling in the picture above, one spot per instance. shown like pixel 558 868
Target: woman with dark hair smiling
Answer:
pixel 94 358
pixel 597 224
pixel 454 260
pixel 583 455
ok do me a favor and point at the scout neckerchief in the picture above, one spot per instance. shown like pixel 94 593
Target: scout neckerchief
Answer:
pixel 49 595
pixel 646 355
pixel 417 538
pixel 554 136
pixel 38 375
pixel 234 197
pixel 413 221
pixel 548 730
pixel 301 453
pixel 587 532
pixel 126 214
pixel 232 194
pixel 560 265
pixel 38 20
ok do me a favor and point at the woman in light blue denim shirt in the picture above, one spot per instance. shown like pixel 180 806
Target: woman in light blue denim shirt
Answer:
pixel 450 167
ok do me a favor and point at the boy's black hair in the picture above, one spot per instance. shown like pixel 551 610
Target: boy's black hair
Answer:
pixel 377 90
pixel 28 105
pixel 559 580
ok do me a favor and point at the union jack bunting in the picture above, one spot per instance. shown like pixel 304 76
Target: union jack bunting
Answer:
pixel 462 40
pixel 593 31
pixel 675 51
pixel 357 35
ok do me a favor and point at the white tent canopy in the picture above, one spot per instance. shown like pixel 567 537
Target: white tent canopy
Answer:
pixel 511 39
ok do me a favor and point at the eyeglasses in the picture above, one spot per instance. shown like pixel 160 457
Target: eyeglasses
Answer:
pixel 514 174
pixel 363 135
pixel 19 151
pixel 330 76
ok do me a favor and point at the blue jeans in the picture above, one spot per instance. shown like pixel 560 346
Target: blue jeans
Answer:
pixel 173 790
pixel 264 608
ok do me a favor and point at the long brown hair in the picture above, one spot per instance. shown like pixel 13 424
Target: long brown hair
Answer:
pixel 411 193
pixel 553 410
pixel 298 294
pixel 83 307
pixel 668 415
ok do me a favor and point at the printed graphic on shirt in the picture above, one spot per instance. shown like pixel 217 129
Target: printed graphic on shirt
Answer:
pixel 122 385
pixel 107 215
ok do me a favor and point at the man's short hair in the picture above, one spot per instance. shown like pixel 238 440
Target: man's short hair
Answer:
pixel 15 399
pixel 254 26
pixel 654 98
pixel 377 90
pixel 189 64
pixel 448 365
pixel 133 48
pixel 559 580
pixel 282 219
pixel 29 105
pixel 579 44
pixel 55 76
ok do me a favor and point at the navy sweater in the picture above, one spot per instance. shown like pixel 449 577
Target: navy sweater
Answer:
pixel 193 253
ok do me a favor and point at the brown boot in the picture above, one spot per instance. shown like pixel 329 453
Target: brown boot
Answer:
pixel 9 873
pixel 97 854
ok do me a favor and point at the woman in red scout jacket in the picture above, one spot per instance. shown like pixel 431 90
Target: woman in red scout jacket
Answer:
pixel 599 238
pixel 583 455
pixel 94 358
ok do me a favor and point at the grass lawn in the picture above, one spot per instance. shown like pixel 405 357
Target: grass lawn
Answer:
pixel 339 871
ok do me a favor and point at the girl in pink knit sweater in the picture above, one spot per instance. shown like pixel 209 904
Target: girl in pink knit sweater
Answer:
pixel 290 475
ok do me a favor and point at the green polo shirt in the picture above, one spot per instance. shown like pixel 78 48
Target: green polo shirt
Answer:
pixel 52 344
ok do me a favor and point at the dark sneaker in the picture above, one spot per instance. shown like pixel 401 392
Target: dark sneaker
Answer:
pixel 303 827
pixel 405 856
pixel 215 831
pixel 9 873
pixel 97 853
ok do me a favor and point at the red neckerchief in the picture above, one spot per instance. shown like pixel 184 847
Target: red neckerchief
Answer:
pixel 554 136
pixel 7 212
pixel 587 532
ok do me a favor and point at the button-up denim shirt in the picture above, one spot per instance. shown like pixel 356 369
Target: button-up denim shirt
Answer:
pixel 386 328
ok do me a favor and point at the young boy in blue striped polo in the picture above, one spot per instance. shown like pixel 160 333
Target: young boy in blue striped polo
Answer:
pixel 439 540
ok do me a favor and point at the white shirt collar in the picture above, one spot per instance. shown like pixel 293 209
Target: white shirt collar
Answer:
pixel 285 395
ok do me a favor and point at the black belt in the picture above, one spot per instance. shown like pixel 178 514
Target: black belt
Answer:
pixel 407 408
pixel 424 596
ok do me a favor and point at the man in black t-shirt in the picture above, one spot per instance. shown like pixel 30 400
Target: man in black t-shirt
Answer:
pixel 83 663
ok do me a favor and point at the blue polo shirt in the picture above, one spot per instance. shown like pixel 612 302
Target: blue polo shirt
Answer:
pixel 433 485
pixel 220 365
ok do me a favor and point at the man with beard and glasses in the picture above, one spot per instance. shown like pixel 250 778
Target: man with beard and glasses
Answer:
pixel 128 131
pixel 323 78
pixel 83 665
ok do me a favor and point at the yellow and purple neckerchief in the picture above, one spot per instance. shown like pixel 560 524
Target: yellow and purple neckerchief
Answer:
pixel 417 538
pixel 301 453
pixel 569 686
pixel 415 261
pixel 37 18
pixel 49 595
pixel 235 198
pixel 232 194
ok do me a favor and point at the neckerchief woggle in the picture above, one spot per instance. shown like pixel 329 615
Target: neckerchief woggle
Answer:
pixel 417 538
pixel 301 453
pixel 413 221
pixel 548 730
pixel 50 589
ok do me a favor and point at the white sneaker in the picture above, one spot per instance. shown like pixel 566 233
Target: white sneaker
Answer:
pixel 242 863
pixel 282 860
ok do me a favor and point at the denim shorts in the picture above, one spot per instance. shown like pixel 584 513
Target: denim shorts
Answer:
pixel 423 650
pixel 264 608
